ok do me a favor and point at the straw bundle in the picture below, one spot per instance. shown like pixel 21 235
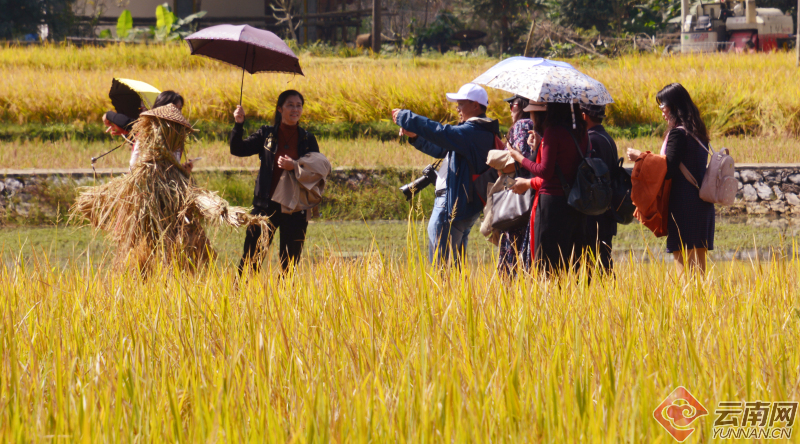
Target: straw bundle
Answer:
pixel 155 212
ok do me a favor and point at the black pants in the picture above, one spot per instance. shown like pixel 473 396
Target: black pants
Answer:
pixel 558 234
pixel 597 239
pixel 293 234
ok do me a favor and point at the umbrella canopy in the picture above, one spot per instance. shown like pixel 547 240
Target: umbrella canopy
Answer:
pixel 127 96
pixel 254 50
pixel 544 80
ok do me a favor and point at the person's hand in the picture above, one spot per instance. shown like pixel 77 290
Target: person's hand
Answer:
pixel 407 133
pixel 531 139
pixel 114 130
pixel 394 114
pixel 286 163
pixel 238 114
pixel 521 185
pixel 534 139
pixel 633 154
pixel 516 155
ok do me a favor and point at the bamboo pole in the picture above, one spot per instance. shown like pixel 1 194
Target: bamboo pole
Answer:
pixel 529 43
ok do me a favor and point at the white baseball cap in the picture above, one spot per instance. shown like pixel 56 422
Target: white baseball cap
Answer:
pixel 470 91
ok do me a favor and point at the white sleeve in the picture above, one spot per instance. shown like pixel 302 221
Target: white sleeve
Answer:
pixel 134 154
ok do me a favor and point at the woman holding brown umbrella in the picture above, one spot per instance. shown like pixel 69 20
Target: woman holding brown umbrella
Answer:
pixel 278 147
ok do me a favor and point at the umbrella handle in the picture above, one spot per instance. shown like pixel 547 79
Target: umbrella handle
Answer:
pixel 241 87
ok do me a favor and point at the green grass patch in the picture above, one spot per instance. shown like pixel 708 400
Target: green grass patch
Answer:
pixel 349 195
pixel 349 239
pixel 206 130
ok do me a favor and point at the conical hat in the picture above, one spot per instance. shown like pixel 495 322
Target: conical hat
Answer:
pixel 169 112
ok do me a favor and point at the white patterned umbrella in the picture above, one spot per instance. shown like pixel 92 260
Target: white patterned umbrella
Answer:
pixel 542 80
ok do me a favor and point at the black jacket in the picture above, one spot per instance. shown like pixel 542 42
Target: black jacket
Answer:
pixel 121 120
pixel 263 142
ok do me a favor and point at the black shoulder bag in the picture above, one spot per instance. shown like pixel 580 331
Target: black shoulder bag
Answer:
pixel 591 192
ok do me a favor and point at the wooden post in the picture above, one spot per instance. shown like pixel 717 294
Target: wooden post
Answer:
pixel 797 31
pixel 344 29
pixel 305 21
pixel 183 8
pixel 529 43
pixel 376 26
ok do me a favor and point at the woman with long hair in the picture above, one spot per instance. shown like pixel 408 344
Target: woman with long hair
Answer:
pixel 691 220
pixel 278 147
pixel 515 242
pixel 558 229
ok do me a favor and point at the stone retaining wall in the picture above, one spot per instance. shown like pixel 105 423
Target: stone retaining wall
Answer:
pixel 768 189
pixel 42 196
pixel 763 188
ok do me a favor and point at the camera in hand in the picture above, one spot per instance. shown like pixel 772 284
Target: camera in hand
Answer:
pixel 428 177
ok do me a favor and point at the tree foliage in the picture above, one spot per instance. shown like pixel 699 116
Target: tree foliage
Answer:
pixel 23 17
pixel 507 18
pixel 617 15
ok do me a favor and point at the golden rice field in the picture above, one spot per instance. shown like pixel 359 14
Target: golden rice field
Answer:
pixel 380 350
pixel 375 346
pixel 737 94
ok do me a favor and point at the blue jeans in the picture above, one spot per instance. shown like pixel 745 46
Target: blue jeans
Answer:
pixel 445 238
pixel 435 229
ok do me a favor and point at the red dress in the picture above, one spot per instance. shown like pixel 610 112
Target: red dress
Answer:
pixel 536 184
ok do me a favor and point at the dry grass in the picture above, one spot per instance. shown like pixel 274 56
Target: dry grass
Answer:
pixel 74 154
pixel 744 149
pixel 359 153
pixel 344 351
pixel 359 90
pixel 752 94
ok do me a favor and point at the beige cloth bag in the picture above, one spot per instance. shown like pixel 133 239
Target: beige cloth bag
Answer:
pixel 499 160
pixel 302 188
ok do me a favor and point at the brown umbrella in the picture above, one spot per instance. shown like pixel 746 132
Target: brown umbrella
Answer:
pixel 254 50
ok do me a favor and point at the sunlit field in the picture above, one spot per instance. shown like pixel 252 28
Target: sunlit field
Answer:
pixel 384 350
pixel 77 154
pixel 357 153
pixel 366 341
pixel 737 94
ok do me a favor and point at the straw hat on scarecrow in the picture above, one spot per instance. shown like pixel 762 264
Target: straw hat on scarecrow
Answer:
pixel 154 214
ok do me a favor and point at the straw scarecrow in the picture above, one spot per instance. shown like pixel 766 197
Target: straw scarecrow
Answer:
pixel 154 213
